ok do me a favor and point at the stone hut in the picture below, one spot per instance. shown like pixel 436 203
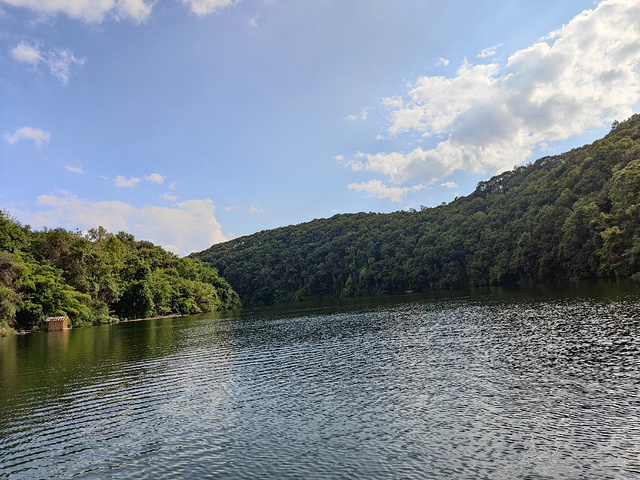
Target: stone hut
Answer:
pixel 57 323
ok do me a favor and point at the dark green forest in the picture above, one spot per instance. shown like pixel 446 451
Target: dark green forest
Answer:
pixel 97 277
pixel 566 217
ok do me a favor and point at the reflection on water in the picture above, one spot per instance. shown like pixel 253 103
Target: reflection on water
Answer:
pixel 488 384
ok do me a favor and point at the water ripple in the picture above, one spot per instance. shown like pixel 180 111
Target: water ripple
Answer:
pixel 456 388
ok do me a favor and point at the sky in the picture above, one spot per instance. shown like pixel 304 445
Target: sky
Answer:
pixel 192 122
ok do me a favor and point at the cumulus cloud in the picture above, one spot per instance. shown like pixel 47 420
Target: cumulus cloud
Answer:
pixel 23 52
pixel 205 7
pixel 58 61
pixel 491 117
pixel 35 134
pixel 449 185
pixel 124 182
pixel 155 178
pixel 184 228
pixel 92 11
pixel 442 62
pixel 376 188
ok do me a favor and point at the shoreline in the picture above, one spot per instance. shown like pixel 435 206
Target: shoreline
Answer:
pixel 11 332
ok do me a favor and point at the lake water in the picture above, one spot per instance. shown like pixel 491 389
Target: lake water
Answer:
pixel 488 384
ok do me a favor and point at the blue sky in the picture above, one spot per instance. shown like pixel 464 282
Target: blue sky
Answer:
pixel 192 122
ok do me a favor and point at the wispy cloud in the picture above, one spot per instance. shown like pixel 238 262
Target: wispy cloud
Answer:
pixel 256 210
pixel 362 116
pixel 75 169
pixel 488 52
pixel 206 7
pixel 58 61
pixel 253 21
pixel 35 134
pixel 355 164
pixel 449 185
pixel 184 228
pixel 89 11
pixel 376 188
pixel 491 117
pixel 157 178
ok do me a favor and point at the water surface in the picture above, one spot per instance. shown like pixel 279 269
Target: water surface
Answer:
pixel 487 384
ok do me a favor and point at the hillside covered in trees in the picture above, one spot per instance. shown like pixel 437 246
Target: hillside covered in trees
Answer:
pixel 94 277
pixel 566 217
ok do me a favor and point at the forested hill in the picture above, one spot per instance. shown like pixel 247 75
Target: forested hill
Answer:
pixel 92 278
pixel 570 216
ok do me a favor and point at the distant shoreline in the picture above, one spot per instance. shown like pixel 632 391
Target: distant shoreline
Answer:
pixel 8 332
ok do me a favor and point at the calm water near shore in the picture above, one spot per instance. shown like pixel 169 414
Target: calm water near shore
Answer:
pixel 488 384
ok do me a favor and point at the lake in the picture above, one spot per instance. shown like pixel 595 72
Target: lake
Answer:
pixel 488 384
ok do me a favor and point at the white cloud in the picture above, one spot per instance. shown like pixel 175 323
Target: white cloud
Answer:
pixel 488 52
pixel 377 188
pixel 75 169
pixel 253 21
pixel 187 227
pixel 26 53
pixel 35 134
pixel 58 61
pixel 256 210
pixel 168 196
pixel 491 117
pixel 135 10
pixel 155 178
pixel 449 185
pixel 124 182
pixel 362 116
pixel 356 165
pixel 442 62
pixel 205 7
pixel 394 102
pixel 92 11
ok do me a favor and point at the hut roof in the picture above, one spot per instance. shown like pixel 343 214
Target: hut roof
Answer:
pixel 56 319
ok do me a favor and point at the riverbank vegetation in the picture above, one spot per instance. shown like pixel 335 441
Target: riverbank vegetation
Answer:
pixel 97 277
pixel 566 217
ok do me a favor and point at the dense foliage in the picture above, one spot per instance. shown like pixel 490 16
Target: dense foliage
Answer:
pixel 570 216
pixel 95 277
